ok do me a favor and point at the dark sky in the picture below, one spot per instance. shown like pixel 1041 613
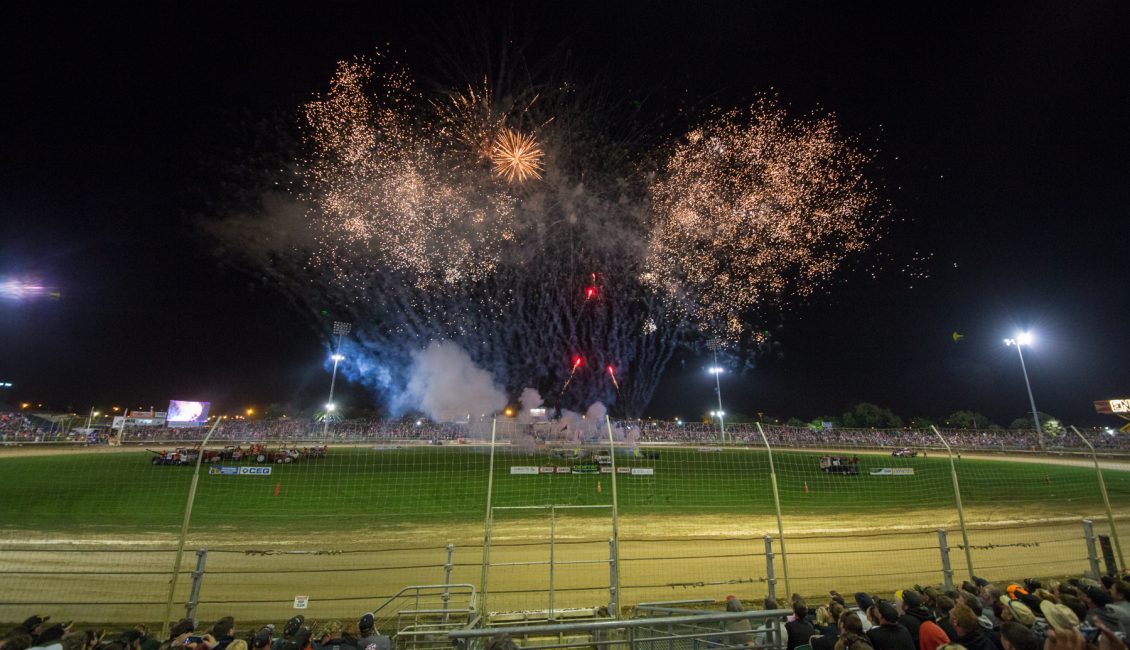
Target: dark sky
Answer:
pixel 1002 134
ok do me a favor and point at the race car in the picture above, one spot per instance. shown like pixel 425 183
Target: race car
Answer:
pixel 905 452
pixel 178 456
pixel 839 465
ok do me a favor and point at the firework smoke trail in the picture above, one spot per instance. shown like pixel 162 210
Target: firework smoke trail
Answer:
pixel 407 228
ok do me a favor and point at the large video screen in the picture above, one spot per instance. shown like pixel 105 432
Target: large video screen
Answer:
pixel 183 413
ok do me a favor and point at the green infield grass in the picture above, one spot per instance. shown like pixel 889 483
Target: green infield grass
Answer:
pixel 357 487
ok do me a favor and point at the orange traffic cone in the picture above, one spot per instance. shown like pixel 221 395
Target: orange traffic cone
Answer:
pixel 278 486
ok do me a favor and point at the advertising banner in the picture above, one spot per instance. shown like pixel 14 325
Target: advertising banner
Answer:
pixel 523 469
pixel 892 471
pixel 643 471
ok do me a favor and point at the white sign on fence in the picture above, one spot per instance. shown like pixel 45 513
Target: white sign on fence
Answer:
pixel 892 471
pixel 643 471
pixel 523 469
pixel 300 602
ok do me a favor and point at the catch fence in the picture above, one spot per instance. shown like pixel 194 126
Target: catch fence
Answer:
pixel 532 523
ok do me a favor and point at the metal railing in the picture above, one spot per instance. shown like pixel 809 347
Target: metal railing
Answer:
pixel 691 631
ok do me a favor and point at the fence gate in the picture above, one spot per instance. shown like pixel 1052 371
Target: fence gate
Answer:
pixel 552 558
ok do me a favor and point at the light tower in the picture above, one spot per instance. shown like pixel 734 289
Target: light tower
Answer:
pixel 716 370
pixel 340 329
pixel 1022 339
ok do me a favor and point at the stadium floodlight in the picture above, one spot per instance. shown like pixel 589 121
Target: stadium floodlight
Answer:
pixel 716 370
pixel 340 329
pixel 1020 340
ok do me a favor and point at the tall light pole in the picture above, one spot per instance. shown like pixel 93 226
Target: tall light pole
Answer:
pixel 1022 339
pixel 340 330
pixel 716 370
pixel 93 414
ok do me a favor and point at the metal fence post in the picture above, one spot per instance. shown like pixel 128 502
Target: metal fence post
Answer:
pixel 1092 554
pixel 1106 497
pixel 613 578
pixel 777 505
pixel 770 576
pixel 488 525
pixel 447 578
pixel 197 578
pixel 615 510
pixel 947 570
pixel 957 502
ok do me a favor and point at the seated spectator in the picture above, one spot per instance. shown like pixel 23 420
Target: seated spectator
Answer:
pixel 799 630
pixel 912 613
pixel 889 634
pixel 740 630
pixel 371 638
pixel 1015 636
pixel 864 602
pixel 223 631
pixel 969 628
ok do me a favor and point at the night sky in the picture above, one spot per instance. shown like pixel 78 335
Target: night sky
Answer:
pixel 1002 135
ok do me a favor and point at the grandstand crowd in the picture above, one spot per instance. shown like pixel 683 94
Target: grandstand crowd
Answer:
pixel 18 428
pixel 1080 614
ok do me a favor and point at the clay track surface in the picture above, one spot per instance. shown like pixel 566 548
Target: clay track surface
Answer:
pixel 107 578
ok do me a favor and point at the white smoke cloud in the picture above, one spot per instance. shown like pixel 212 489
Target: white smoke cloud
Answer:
pixel 530 399
pixel 446 385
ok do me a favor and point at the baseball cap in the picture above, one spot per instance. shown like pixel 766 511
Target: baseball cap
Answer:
pixel 292 626
pixel 366 622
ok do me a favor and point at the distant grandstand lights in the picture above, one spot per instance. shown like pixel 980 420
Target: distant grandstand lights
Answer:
pixel 1022 339
pixel 340 329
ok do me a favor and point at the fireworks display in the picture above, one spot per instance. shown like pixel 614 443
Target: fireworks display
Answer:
pixel 442 218
pixel 751 205
pixel 516 156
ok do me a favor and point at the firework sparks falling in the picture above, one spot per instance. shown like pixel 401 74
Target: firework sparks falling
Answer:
pixel 752 205
pixel 419 221
pixel 516 156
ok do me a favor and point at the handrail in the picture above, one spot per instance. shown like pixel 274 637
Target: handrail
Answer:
pixel 534 630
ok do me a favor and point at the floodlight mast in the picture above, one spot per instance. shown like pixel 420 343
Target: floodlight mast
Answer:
pixel 340 329
pixel 716 370
pixel 1022 339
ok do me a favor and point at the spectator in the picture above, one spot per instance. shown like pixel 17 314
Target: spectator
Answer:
pixel 740 630
pixel 17 639
pixel 345 640
pixel 223 632
pixel 864 602
pixel 1015 636
pixel 290 631
pixel 943 607
pixel 371 638
pixel 889 634
pixel 970 632
pixel 262 639
pixel 913 614
pixel 799 630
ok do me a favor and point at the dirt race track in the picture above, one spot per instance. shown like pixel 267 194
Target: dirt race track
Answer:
pixel 255 577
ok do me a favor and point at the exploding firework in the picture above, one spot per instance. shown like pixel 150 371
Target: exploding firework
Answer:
pixel 751 205
pixel 516 156
pixel 426 227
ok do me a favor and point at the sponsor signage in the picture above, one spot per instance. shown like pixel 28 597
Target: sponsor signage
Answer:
pixel 605 469
pixel 239 471
pixel 623 470
pixel 892 471
pixel 707 450
pixel 524 469
pixel 643 471
pixel 546 470
pixel 586 469
pixel 1111 406
pixel 564 470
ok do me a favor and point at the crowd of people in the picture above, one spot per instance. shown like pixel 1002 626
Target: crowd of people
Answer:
pixel 38 633
pixel 16 428
pixel 1074 615
pixel 1079 614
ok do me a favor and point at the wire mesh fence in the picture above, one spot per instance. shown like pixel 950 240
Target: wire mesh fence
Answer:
pixel 602 515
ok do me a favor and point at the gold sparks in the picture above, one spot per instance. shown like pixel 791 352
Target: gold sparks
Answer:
pixel 752 206
pixel 516 156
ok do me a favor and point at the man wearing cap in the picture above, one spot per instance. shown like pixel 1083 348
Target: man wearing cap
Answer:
pixel 1059 616
pixel 371 638
pixel 1098 602
pixel 864 602
pixel 345 640
pixel 290 632
pixel 889 634
pixel 913 614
